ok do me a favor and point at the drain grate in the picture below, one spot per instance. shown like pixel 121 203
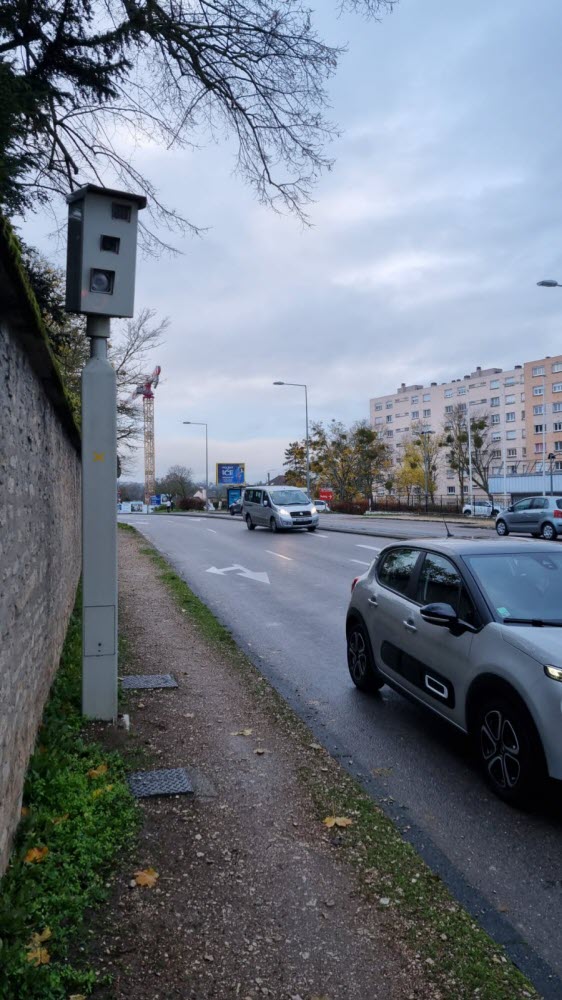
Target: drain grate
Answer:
pixel 173 781
pixel 146 681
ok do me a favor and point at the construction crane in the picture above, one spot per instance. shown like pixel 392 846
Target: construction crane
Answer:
pixel 145 389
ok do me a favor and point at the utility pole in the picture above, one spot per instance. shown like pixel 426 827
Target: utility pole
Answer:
pixel 100 282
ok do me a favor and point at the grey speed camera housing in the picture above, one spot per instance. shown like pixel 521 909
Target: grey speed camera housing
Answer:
pixel 101 251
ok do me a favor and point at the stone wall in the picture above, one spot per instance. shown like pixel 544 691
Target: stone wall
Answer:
pixel 39 528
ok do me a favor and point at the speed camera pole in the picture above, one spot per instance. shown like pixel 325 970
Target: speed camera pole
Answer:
pixel 100 281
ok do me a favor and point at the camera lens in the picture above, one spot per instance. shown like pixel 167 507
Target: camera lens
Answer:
pixel 102 281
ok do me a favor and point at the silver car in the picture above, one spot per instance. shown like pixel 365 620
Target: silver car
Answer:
pixel 472 630
pixel 536 516
pixel 278 508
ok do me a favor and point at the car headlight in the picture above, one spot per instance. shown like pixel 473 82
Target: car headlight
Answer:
pixel 555 673
pixel 283 512
pixel 313 510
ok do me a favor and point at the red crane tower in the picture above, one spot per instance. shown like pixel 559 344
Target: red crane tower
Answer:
pixel 145 389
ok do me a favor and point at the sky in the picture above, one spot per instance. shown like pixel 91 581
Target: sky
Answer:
pixel 427 238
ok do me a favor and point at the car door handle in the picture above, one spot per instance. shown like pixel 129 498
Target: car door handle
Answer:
pixel 408 623
pixel 374 602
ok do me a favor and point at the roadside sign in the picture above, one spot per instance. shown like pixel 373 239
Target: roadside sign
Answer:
pixel 232 474
pixel 326 495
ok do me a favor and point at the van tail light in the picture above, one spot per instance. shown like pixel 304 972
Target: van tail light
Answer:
pixel 557 513
pixel 353 582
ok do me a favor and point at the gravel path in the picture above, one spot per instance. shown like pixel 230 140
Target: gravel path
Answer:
pixel 252 899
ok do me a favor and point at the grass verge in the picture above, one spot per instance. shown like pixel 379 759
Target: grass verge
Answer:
pixel 78 815
pixel 461 960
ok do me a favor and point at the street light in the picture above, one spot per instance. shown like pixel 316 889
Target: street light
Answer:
pixel 301 385
pixel 425 434
pixel 549 283
pixel 200 423
pixel 551 457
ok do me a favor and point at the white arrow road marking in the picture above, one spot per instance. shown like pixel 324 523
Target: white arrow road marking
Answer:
pixel 375 548
pixel 288 558
pixel 240 571
pixel 359 563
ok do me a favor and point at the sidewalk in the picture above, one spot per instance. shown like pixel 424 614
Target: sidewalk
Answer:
pixel 254 897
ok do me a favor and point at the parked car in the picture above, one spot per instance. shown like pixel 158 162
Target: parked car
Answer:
pixel 321 506
pixel 472 631
pixel 536 516
pixel 236 506
pixel 278 508
pixel 481 508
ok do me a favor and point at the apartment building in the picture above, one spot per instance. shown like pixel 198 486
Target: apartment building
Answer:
pixel 543 389
pixel 492 390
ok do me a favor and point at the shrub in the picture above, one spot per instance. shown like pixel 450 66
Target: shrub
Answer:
pixel 191 503
pixel 349 506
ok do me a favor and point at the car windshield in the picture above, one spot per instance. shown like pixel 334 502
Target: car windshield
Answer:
pixel 521 587
pixel 281 497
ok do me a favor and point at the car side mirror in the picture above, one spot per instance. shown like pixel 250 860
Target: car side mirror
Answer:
pixel 266 503
pixel 439 614
pixel 510 509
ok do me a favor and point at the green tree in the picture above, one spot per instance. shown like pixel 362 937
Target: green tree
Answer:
pixel 295 463
pixel 78 74
pixel 372 457
pixel 410 477
pixel 429 445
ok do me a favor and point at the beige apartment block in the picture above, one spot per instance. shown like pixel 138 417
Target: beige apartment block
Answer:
pixel 543 390
pixel 491 390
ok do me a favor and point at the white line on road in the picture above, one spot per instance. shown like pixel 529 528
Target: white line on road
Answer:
pixel 316 535
pixel 359 563
pixel 212 530
pixel 288 558
pixel 375 548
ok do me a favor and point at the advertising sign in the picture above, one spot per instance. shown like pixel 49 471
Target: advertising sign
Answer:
pixel 326 495
pixel 232 474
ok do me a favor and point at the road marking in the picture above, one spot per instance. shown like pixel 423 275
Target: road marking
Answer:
pixel 278 554
pixel 212 530
pixel 359 563
pixel 316 535
pixel 240 571
pixel 375 548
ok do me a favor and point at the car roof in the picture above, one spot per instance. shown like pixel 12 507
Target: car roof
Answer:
pixel 471 546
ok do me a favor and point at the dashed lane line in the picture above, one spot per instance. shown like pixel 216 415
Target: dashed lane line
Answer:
pixel 375 548
pixel 278 554
pixel 359 563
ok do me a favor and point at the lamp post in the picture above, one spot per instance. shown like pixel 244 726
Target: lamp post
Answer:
pixel 424 434
pixel 200 423
pixel 301 385
pixel 551 457
pixel 546 283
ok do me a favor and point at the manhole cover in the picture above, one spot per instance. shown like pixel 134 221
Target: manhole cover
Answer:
pixel 140 681
pixel 173 781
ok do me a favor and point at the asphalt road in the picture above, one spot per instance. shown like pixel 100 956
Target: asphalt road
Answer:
pixel 284 599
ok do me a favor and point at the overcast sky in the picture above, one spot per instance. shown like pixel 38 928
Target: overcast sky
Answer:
pixel 442 211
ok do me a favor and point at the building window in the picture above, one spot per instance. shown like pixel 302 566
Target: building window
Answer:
pixel 495 418
pixel 378 406
pixel 496 437
pixel 379 420
pixel 512 469
pixel 495 383
pixel 539 370
pixel 511 435
pixel 557 425
pixel 557 367
pixel 509 399
pixel 558 466
pixel 496 453
pixel 522 414
pixel 390 434
pixel 512 452
pixel 537 410
pixel 558 445
pixel 415 414
pixel 426 397
pixel 522 397
pixel 539 428
pixel 389 406
pixel 414 399
pixel 510 417
pixel 461 390
pixel 389 418
pixel 557 387
pixel 451 489
pixel 538 448
pixel 450 474
pixel 509 381
pixel 557 407
pixel 538 390
pixel 448 409
pixel 427 413
pixel 495 401
pixel 448 393
pixel 462 407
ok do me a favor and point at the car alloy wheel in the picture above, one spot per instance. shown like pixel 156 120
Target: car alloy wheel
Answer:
pixel 249 524
pixel 501 528
pixel 547 531
pixel 363 672
pixel 273 525
pixel 510 751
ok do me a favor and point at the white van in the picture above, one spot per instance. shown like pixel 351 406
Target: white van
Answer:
pixel 278 508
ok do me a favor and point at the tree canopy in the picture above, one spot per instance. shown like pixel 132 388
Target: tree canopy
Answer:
pixel 82 80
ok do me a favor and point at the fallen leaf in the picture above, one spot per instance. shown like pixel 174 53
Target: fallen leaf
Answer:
pixel 96 772
pixel 243 732
pixel 36 854
pixel 40 956
pixel 39 939
pixel 24 811
pixel 59 819
pixel 147 877
pixel 337 821
pixel 315 746
pixel 259 750
pixel 77 996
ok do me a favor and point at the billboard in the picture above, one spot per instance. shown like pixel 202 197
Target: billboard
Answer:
pixel 232 474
